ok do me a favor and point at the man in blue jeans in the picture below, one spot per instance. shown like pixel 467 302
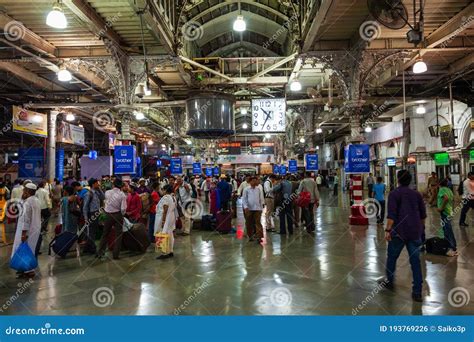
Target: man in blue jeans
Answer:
pixel 405 227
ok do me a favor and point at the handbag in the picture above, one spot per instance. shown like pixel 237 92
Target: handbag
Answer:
pixel 163 243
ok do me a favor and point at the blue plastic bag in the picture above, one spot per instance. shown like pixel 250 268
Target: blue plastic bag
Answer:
pixel 23 260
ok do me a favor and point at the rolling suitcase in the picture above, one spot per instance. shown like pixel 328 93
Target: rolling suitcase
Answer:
pixel 224 222
pixel 436 245
pixel 62 243
pixel 136 239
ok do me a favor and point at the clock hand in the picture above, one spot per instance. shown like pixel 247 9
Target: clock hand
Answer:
pixel 268 116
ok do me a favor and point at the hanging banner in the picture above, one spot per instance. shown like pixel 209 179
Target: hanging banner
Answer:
pixel 176 166
pixel 29 122
pixel 357 159
pixel 208 171
pixel 216 171
pixel 282 170
pixel 125 160
pixel 70 134
pixel 311 162
pixel 293 166
pixel 31 163
pixel 60 164
pixel 197 168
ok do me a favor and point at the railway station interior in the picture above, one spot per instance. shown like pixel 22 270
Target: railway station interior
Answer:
pixel 250 157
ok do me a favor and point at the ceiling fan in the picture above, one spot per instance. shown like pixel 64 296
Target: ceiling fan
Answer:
pixel 394 15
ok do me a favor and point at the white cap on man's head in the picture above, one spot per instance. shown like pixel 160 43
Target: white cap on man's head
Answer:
pixel 31 186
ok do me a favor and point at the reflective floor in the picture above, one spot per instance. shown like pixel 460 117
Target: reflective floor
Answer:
pixel 333 272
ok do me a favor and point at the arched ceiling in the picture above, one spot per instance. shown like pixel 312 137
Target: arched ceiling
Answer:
pixel 269 25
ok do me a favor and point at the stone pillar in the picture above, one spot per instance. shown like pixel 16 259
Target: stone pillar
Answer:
pixel 51 146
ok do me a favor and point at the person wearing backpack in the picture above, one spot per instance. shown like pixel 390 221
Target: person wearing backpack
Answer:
pixel 466 190
pixel 91 207
pixel 285 210
pixel 445 208
pixel 308 184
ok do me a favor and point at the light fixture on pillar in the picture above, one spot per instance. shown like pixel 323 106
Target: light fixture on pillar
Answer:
pixel 420 66
pixel 70 117
pixel 319 130
pixel 420 109
pixel 245 126
pixel 368 129
pixel 63 74
pixel 56 17
pixel 296 85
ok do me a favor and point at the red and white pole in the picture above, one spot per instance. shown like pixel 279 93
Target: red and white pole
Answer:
pixel 357 217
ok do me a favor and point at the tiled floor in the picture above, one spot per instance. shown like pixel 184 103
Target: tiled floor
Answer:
pixel 332 272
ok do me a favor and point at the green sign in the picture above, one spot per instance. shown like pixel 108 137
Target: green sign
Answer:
pixel 441 159
pixel 471 155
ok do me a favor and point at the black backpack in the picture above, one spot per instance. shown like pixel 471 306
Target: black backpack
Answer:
pixel 436 245
pixel 193 191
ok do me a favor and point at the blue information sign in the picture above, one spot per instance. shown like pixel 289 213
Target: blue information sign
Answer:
pixel 208 171
pixel 93 155
pixel 216 171
pixel 283 170
pixel 357 159
pixel 60 164
pixel 197 168
pixel 292 166
pixel 311 162
pixel 125 160
pixel 159 163
pixel 391 162
pixel 176 166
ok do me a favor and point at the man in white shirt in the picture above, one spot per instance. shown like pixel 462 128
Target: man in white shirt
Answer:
pixel 17 190
pixel 253 202
pixel 468 198
pixel 29 224
pixel 245 184
pixel 45 205
pixel 319 180
pixel 115 208
pixel 269 202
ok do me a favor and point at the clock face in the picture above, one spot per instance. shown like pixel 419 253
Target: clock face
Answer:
pixel 268 115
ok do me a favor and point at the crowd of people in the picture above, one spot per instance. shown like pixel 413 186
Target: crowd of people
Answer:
pixel 168 204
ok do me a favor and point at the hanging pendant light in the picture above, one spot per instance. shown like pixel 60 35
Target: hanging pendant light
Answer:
pixel 295 85
pixel 421 109
pixel 70 117
pixel 64 75
pixel 56 17
pixel 239 24
pixel 245 126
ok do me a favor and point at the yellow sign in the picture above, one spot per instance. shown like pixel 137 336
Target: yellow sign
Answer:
pixel 29 122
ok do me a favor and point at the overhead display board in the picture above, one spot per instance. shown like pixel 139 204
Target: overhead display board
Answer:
pixel 268 115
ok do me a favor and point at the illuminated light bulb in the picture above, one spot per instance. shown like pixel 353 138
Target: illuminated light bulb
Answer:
pixel 319 130
pixel 64 75
pixel 150 142
pixel 296 85
pixel 239 24
pixel 421 110
pixel 70 117
pixel 56 17
pixel 420 67
pixel 368 129
pixel 245 126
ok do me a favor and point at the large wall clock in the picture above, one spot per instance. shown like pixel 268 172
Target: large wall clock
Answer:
pixel 268 115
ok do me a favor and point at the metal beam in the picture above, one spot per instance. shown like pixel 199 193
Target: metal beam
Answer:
pixel 199 65
pixel 296 69
pixel 30 77
pixel 320 18
pixel 97 25
pixel 274 66
pixel 28 36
